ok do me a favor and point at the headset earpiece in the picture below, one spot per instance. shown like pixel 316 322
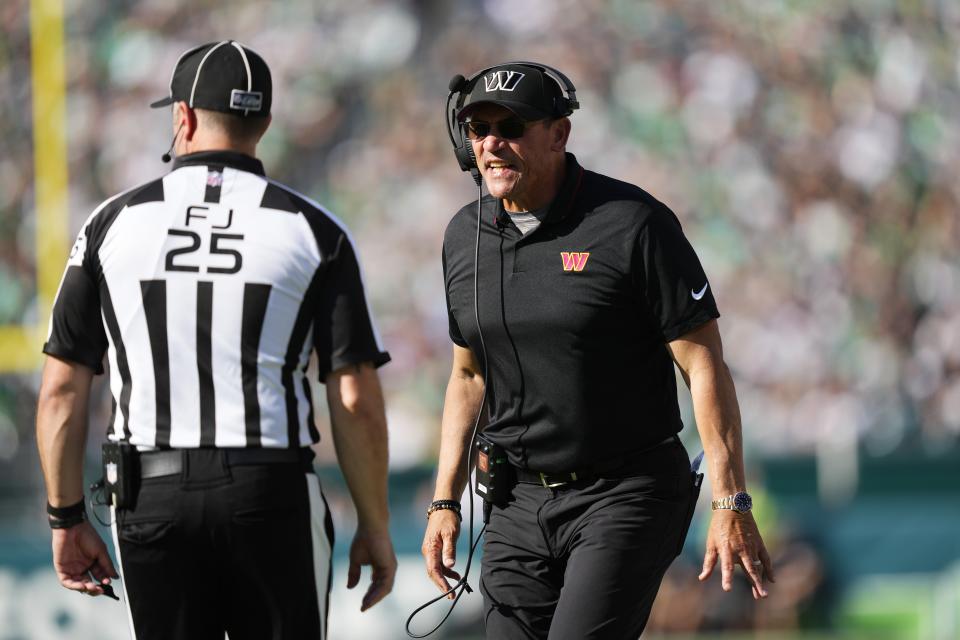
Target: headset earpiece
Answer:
pixel 474 166
pixel 465 156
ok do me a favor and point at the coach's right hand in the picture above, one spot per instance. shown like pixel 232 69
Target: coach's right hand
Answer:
pixel 440 548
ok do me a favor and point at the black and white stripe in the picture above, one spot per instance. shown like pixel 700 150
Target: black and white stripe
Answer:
pixel 208 289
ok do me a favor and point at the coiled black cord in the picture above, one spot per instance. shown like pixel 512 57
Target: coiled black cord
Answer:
pixel 461 584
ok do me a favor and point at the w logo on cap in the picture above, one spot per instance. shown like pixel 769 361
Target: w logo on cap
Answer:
pixel 502 80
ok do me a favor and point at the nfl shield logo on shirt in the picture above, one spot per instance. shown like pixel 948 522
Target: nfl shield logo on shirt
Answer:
pixel 111 472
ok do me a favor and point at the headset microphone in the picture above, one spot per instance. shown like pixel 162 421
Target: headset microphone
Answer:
pixel 457 83
pixel 166 157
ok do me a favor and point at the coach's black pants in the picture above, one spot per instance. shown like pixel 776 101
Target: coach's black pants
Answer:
pixel 585 560
pixel 237 549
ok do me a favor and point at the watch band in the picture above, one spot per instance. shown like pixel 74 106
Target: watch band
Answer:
pixel 722 503
pixel 740 502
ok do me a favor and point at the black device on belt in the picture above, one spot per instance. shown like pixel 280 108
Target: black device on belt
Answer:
pixel 121 473
pixel 494 477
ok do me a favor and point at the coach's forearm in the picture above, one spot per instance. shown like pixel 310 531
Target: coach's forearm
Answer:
pixel 62 429
pixel 699 354
pixel 718 421
pixel 359 426
pixel 460 408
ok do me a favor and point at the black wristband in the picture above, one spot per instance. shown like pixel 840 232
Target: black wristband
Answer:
pixel 66 517
pixel 440 505
pixel 66 523
pixel 70 511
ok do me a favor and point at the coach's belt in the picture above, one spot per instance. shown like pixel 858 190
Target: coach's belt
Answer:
pixel 167 462
pixel 616 468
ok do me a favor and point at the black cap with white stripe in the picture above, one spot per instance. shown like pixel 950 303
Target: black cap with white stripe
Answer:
pixel 221 76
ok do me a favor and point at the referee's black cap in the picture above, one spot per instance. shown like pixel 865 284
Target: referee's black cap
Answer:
pixel 221 76
pixel 527 91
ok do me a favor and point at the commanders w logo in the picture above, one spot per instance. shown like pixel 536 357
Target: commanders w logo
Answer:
pixel 502 80
pixel 574 260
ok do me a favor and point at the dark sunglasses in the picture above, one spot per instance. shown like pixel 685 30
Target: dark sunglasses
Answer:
pixel 509 129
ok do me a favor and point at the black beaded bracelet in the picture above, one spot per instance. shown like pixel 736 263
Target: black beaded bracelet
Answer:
pixel 66 517
pixel 440 505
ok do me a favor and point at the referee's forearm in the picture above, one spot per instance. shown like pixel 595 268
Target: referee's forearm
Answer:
pixel 362 451
pixel 359 428
pixel 62 430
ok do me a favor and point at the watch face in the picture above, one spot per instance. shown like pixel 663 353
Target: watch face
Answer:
pixel 742 502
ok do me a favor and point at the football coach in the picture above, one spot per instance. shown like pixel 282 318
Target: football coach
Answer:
pixel 571 297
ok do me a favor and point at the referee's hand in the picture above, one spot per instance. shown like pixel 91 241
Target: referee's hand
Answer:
pixel 77 551
pixel 440 548
pixel 375 549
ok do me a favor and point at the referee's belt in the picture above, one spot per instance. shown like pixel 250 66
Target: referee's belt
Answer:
pixel 168 462
pixel 619 467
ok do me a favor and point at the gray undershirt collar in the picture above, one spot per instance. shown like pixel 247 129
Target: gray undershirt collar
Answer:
pixel 527 221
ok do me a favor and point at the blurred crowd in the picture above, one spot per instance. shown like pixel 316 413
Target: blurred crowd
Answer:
pixel 810 149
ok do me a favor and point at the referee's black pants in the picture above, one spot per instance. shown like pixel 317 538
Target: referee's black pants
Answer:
pixel 242 549
pixel 585 560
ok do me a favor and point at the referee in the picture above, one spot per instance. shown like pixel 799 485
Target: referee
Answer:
pixel 571 296
pixel 209 289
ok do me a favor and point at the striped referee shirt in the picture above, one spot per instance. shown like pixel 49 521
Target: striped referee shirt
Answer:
pixel 207 289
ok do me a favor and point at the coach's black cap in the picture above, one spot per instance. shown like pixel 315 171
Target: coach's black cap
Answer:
pixel 221 76
pixel 527 91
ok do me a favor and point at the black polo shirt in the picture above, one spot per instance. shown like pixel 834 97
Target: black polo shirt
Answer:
pixel 575 318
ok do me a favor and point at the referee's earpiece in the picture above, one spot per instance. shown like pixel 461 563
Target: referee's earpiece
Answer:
pixel 166 157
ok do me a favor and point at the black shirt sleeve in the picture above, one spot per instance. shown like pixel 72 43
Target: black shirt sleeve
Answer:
pixel 343 328
pixel 76 326
pixel 454 328
pixel 669 276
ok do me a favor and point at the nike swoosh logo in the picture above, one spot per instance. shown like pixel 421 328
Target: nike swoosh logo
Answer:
pixel 697 295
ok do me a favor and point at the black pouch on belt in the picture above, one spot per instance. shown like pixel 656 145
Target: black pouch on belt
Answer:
pixel 494 473
pixel 121 473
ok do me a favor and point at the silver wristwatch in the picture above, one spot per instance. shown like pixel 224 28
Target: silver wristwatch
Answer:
pixel 741 502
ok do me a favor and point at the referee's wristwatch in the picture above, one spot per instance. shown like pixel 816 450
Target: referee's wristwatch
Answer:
pixel 741 502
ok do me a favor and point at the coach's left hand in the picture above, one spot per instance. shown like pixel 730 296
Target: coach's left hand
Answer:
pixel 734 539
pixel 375 549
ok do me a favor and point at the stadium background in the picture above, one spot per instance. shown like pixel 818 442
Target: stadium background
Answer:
pixel 810 149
